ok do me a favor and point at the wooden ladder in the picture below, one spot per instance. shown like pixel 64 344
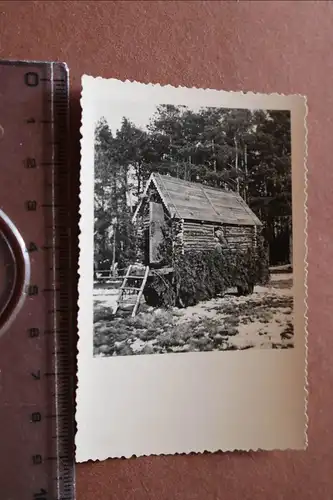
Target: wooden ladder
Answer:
pixel 124 288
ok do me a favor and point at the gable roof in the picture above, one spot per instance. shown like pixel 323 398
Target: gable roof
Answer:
pixel 195 201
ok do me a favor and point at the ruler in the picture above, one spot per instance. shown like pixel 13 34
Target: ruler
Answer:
pixel 37 348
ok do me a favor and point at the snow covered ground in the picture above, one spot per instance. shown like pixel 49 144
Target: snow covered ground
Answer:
pixel 105 298
pixel 261 320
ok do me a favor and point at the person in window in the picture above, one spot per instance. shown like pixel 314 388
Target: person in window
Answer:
pixel 217 246
pixel 219 237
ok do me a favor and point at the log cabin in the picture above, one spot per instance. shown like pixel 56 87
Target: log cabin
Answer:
pixel 202 217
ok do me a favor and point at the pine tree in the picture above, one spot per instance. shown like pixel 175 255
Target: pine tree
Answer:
pixel 102 192
pixel 235 149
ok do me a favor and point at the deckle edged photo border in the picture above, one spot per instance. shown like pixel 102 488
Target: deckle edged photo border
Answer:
pixel 178 185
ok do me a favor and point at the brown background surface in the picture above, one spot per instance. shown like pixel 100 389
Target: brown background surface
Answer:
pixel 266 46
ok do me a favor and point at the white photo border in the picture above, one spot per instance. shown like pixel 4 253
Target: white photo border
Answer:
pixel 198 401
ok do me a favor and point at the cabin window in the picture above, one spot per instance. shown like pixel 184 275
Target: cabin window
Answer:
pixel 219 236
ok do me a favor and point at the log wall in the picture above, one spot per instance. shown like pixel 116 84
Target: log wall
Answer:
pixel 195 236
pixel 143 225
pixel 200 236
pixel 178 243
pixel 240 237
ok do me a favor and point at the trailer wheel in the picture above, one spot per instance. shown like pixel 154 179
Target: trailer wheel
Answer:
pixel 163 298
pixel 151 297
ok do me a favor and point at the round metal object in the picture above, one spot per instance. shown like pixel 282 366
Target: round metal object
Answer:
pixel 14 271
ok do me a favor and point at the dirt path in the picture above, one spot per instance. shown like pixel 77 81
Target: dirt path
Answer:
pixel 261 320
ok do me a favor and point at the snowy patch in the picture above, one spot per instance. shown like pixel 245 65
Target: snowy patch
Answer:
pixel 261 320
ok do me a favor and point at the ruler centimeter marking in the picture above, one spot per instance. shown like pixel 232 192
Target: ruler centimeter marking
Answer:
pixel 47 431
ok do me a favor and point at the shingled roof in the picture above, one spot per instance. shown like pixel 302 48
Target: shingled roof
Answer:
pixel 194 201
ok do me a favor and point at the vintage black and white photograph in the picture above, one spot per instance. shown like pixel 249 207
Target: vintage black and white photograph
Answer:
pixel 192 271
pixel 193 231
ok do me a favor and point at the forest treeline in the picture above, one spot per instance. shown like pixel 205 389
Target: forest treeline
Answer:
pixel 236 149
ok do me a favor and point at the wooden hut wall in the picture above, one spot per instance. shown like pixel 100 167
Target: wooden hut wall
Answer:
pixel 178 241
pixel 195 235
pixel 198 236
pixel 143 217
pixel 240 237
pixel 142 223
pixel 140 250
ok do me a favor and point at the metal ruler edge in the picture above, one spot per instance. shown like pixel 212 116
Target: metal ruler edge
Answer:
pixel 58 344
